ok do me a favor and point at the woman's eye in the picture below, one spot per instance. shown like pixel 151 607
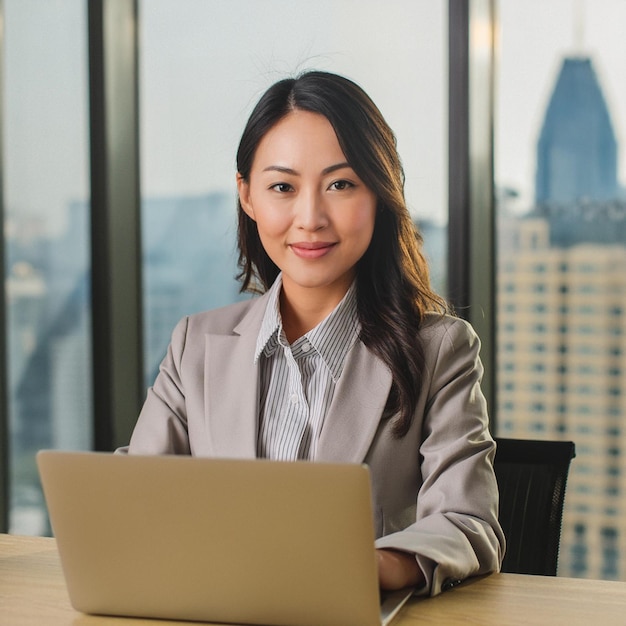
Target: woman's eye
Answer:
pixel 340 185
pixel 282 187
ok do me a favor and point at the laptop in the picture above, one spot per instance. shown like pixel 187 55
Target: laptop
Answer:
pixel 216 540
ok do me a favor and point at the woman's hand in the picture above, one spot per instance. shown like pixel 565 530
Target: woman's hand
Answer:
pixel 398 569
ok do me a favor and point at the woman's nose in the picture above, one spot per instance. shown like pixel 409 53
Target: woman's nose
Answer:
pixel 311 212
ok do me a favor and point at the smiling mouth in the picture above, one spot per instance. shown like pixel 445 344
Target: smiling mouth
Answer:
pixel 311 249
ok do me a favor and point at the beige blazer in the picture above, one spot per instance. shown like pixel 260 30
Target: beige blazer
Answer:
pixel 434 491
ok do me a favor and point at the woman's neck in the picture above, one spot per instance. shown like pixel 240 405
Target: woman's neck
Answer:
pixel 304 310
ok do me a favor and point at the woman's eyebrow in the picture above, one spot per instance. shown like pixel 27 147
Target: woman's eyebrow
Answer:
pixel 333 168
pixel 288 170
pixel 280 168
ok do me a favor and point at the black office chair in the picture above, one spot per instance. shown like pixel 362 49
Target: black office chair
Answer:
pixel 531 478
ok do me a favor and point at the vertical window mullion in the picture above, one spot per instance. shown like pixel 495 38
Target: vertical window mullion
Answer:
pixel 116 249
pixel 471 224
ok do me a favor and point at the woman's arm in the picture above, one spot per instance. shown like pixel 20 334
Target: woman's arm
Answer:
pixel 397 570
pixel 455 533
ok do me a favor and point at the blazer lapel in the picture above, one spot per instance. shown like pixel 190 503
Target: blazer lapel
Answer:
pixel 232 387
pixel 354 415
pixel 232 396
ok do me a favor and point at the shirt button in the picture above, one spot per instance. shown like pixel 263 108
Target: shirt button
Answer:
pixel 294 398
pixel 306 347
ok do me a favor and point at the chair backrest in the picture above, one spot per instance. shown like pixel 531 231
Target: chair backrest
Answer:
pixel 531 478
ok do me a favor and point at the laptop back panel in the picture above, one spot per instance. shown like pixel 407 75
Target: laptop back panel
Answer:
pixel 254 542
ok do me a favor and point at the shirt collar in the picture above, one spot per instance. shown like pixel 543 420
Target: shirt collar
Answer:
pixel 332 338
pixel 267 339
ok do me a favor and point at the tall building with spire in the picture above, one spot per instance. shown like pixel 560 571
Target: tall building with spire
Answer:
pixel 577 150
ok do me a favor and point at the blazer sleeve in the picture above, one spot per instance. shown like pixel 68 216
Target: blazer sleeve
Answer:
pixel 161 427
pixel 456 533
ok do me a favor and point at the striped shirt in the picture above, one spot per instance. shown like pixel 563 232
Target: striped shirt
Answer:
pixel 297 381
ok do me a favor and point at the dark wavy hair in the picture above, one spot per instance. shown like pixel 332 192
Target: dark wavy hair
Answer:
pixel 393 284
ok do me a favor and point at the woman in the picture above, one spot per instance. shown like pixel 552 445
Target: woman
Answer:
pixel 348 355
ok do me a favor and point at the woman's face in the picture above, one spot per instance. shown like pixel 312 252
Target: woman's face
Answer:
pixel 314 215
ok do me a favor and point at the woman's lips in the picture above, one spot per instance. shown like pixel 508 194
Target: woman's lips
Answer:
pixel 311 249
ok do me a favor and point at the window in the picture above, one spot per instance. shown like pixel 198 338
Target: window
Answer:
pixel 588 289
pixel 570 66
pixel 47 242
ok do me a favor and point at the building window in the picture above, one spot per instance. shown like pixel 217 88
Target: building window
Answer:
pixel 610 561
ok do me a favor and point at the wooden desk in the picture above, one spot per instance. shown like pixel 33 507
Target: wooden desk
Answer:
pixel 32 592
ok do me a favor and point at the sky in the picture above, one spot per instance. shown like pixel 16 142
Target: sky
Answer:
pixel 204 63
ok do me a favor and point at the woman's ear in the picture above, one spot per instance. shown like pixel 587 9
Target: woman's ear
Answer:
pixel 243 188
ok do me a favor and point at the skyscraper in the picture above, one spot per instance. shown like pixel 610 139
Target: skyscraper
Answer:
pixel 577 151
